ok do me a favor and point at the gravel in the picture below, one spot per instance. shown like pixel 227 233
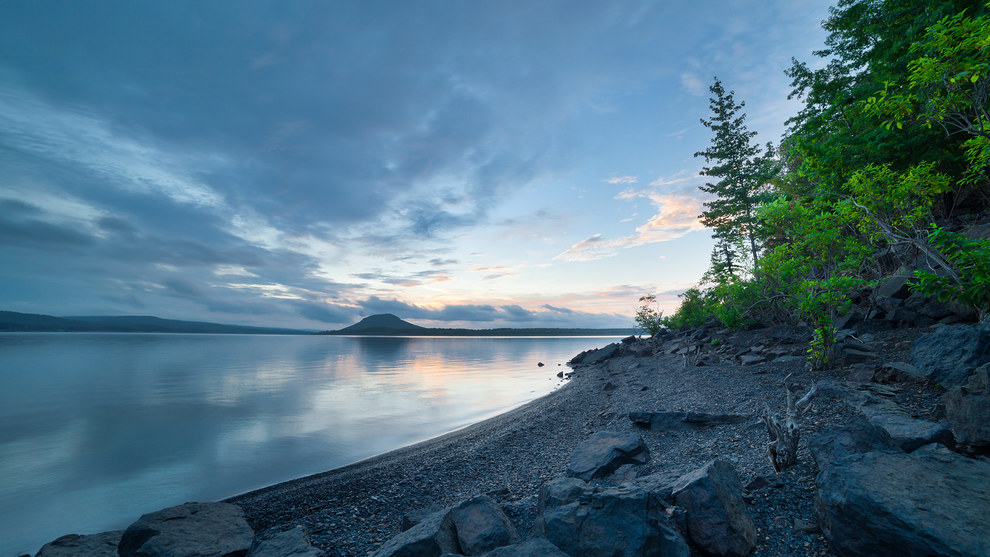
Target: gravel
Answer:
pixel 353 510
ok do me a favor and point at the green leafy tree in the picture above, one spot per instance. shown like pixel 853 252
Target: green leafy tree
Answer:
pixel 741 168
pixel 649 316
pixel 948 83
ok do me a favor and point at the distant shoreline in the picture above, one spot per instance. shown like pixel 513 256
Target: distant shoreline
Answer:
pixel 484 333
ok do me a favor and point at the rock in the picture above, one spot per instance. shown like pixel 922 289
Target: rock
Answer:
pixel 472 527
pixel 765 481
pixel 848 320
pixel 898 372
pixel 74 545
pixel 930 502
pixel 629 339
pixel 752 359
pixel 191 529
pixel 629 520
pixel 604 452
pixel 430 537
pixel 895 286
pixel 481 526
pixel 950 354
pixel 861 373
pixel 291 543
pixel 909 433
pixel 857 437
pixel 540 364
pixel 416 516
pixel 533 547
pixel 716 515
pixel 849 356
pixel 669 421
pixel 967 408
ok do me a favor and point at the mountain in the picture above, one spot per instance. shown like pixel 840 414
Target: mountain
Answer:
pixel 390 325
pixel 381 324
pixel 32 322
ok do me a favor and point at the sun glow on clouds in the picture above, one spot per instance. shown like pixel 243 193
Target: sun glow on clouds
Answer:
pixel 677 215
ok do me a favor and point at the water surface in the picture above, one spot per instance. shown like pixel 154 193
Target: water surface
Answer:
pixel 97 429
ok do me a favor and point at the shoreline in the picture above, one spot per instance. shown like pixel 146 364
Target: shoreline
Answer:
pixel 353 510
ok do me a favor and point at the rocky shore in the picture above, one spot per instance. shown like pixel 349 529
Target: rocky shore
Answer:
pixel 659 447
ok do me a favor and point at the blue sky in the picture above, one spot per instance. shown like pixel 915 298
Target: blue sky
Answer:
pixel 304 164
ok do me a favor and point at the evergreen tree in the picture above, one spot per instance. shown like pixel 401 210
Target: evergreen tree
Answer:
pixel 742 170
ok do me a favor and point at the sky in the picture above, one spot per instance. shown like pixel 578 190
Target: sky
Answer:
pixel 305 164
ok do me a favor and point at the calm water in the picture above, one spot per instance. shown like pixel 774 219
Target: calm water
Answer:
pixel 97 429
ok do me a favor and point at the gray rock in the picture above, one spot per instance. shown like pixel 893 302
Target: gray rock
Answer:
pixel 950 354
pixel 481 526
pixel 189 530
pixel 909 433
pixel 291 543
pixel 432 536
pixel 716 515
pixel 857 437
pixel 606 451
pixel 533 547
pixel 930 502
pixel 967 408
pixel 74 545
pixel 669 421
pixel 597 356
pixel 629 520
pixel 895 286
pixel 471 527
pixel 898 372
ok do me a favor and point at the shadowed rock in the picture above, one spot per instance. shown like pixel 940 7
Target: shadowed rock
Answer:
pixel 629 520
pixel 667 421
pixel 189 530
pixel 471 527
pixel 929 502
pixel 716 515
pixel 950 354
pixel 606 451
pixel 968 410
pixel 74 545
pixel 291 543
pixel 533 547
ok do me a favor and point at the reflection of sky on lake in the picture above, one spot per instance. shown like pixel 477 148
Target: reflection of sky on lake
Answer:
pixel 96 429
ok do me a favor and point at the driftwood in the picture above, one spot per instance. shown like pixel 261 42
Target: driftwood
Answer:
pixel 784 436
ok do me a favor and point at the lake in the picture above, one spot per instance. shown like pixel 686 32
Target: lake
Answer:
pixel 97 429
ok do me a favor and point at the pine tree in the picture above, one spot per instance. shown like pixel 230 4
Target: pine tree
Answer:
pixel 742 170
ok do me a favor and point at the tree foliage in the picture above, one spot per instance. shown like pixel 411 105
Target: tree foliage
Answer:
pixel 742 171
pixel 878 166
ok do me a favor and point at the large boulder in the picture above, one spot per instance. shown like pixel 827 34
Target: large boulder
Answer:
pixel 950 354
pixel 929 502
pixel 967 408
pixel 472 527
pixel 629 520
pixel 606 451
pixel 858 436
pixel 910 433
pixel 716 516
pixel 74 545
pixel 189 530
pixel 290 543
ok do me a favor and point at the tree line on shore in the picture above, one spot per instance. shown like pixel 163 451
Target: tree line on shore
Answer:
pixel 879 173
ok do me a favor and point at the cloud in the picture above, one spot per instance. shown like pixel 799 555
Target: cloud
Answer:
pixel 622 180
pixel 677 215
pixel 693 84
